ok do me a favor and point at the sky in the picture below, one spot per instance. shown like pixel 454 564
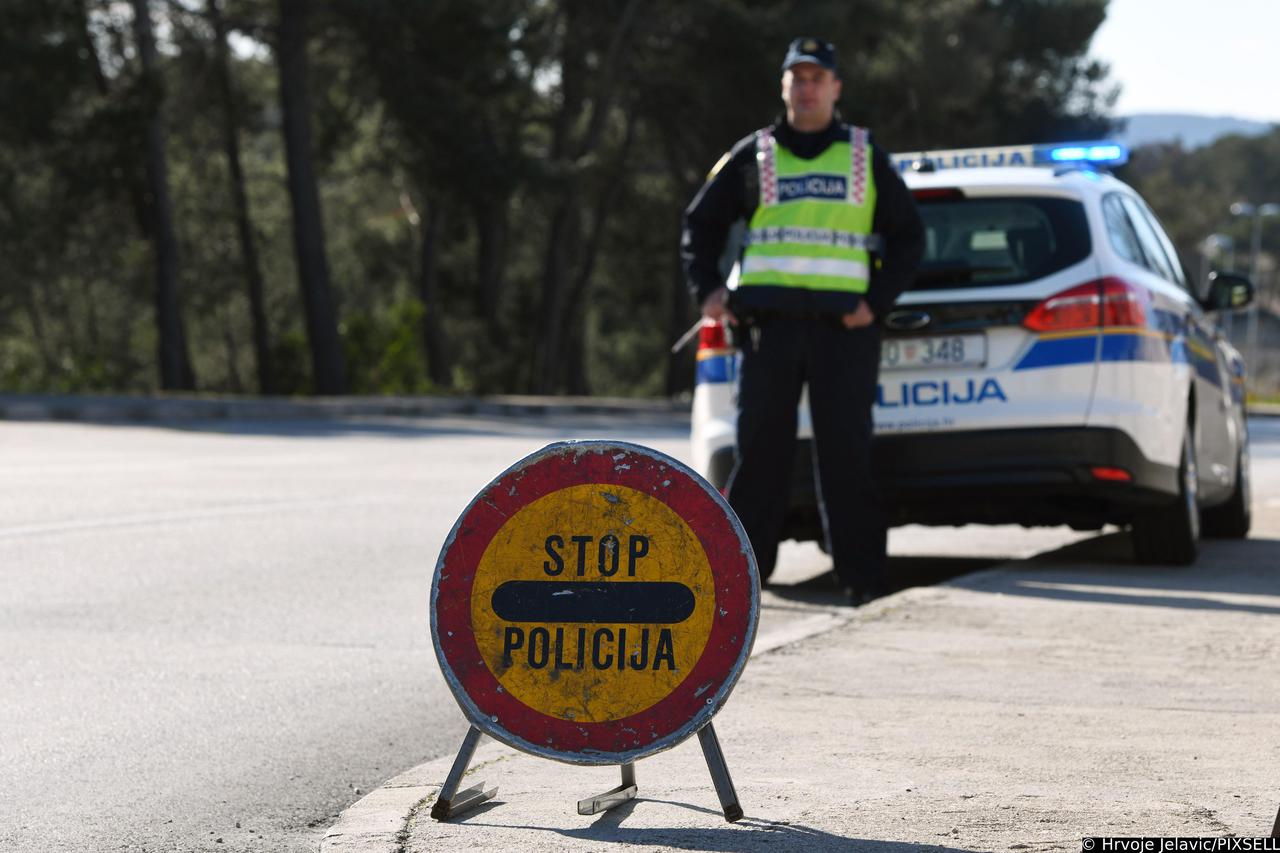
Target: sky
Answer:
pixel 1210 57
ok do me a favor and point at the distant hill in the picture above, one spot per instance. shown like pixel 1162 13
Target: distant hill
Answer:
pixel 1194 130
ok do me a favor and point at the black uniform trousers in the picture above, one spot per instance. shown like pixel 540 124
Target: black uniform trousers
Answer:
pixel 781 354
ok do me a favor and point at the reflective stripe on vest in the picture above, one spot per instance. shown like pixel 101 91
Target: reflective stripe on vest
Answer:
pixel 811 266
pixel 813 237
pixel 812 228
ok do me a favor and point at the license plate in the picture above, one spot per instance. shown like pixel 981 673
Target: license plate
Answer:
pixel 942 351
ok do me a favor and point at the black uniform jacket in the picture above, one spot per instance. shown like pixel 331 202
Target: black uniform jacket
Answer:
pixel 732 193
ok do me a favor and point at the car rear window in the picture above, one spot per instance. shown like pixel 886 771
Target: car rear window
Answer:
pixel 980 242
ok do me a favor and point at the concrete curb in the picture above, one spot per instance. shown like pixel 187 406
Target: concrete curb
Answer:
pixel 378 822
pixel 165 408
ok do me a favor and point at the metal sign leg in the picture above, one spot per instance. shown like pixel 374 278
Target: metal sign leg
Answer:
pixel 720 773
pixel 614 797
pixel 451 802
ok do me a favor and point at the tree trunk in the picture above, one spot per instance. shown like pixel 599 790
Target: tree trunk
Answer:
pixel 136 183
pixel 491 232
pixel 92 327
pixel 91 50
pixel 681 310
pixel 576 381
pixel 240 201
pixel 564 229
pixel 679 376
pixel 574 320
pixel 186 366
pixel 233 353
pixel 327 362
pixel 555 273
pixel 36 317
pixel 175 365
pixel 433 336
pixel 565 235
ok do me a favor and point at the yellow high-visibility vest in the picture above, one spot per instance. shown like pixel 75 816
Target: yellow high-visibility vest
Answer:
pixel 808 243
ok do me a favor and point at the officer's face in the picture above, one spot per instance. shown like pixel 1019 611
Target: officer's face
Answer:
pixel 810 93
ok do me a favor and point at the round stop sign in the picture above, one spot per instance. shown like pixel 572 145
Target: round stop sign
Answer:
pixel 594 604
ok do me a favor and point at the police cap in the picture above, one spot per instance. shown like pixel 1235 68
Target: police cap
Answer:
pixel 812 50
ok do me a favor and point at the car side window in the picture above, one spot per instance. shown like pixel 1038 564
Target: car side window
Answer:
pixel 1157 261
pixel 1179 273
pixel 1120 231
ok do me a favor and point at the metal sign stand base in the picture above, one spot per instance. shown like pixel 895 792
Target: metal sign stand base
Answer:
pixel 720 773
pixel 451 802
pixel 614 797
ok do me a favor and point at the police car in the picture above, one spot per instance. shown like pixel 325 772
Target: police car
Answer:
pixel 1052 364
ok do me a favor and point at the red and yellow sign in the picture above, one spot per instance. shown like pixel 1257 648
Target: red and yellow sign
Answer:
pixel 595 603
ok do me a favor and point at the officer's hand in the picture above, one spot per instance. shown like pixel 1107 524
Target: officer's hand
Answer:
pixel 716 307
pixel 861 318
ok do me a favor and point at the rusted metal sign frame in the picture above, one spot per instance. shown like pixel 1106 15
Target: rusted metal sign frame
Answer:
pixel 492 726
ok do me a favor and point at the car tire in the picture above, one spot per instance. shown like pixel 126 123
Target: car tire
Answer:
pixel 1170 535
pixel 1232 519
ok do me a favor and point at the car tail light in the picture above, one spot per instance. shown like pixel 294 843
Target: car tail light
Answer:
pixel 712 335
pixel 1076 308
pixel 1123 304
pixel 1115 475
pixel 1106 301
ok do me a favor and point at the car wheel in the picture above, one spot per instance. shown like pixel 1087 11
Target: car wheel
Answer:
pixel 1170 535
pixel 1232 519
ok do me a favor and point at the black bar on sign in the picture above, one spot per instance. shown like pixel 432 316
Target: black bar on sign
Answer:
pixel 647 602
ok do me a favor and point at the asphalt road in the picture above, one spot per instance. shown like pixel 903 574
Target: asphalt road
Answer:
pixel 215 636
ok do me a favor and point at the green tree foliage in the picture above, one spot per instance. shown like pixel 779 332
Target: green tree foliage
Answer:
pixel 1192 192
pixel 501 183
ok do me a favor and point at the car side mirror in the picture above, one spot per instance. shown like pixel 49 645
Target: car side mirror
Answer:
pixel 1228 291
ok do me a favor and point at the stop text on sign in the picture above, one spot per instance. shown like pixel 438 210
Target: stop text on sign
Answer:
pixel 608 553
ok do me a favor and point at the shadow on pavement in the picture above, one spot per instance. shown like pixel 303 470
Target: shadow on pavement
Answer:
pixel 904 572
pixel 748 834
pixel 1102 570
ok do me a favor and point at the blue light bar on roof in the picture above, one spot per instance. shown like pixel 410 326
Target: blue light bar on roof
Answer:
pixel 1098 154
pixel 1101 153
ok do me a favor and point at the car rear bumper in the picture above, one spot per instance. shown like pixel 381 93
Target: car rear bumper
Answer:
pixel 1039 476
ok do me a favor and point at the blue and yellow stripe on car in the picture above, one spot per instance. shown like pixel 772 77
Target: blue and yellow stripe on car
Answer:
pixel 717 365
pixel 1236 368
pixel 1060 349
pixel 1120 343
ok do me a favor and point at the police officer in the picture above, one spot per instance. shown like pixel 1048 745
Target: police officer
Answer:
pixel 832 238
